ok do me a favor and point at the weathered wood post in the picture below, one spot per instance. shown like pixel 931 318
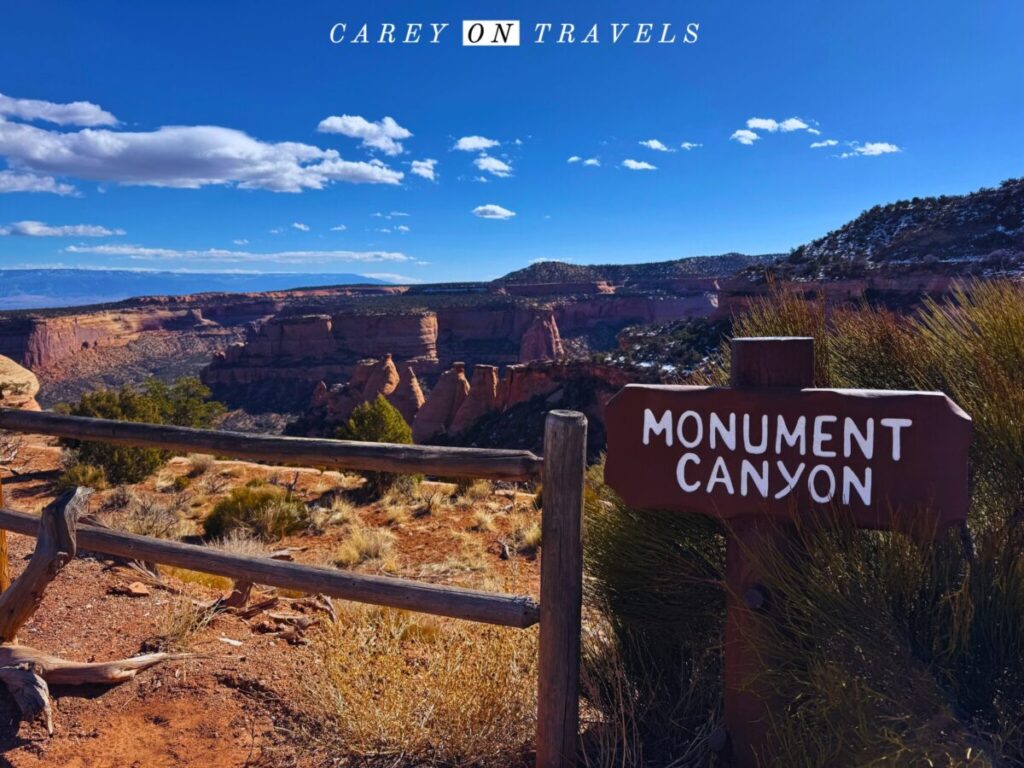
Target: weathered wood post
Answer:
pixel 757 363
pixel 561 589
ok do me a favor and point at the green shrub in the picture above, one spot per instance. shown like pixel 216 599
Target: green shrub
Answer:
pixel 82 474
pixel 377 422
pixel 184 403
pixel 262 511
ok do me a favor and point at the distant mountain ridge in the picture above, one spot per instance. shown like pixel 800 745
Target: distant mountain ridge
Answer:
pixel 619 274
pixel 978 233
pixel 39 288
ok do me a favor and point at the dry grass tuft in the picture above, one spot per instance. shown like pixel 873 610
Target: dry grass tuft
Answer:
pixel 392 688
pixel 181 622
pixel 363 544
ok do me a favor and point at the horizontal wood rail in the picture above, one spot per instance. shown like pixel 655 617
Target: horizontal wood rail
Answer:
pixel 440 600
pixel 488 464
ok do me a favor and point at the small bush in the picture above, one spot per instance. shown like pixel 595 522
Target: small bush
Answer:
pixel 263 511
pixel 82 474
pixel 184 403
pixel 377 422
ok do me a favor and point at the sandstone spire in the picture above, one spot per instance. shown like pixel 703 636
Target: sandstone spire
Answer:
pixel 438 412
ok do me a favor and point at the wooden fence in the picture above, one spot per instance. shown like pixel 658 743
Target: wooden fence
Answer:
pixel 561 590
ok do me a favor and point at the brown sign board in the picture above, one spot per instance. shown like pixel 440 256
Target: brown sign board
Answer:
pixel 886 459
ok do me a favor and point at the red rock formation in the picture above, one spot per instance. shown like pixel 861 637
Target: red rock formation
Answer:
pixel 482 399
pixel 439 411
pixel 541 340
pixel 383 380
pixel 18 386
pixel 408 397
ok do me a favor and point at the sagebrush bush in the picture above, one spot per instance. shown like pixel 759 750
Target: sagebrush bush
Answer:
pixel 377 421
pixel 184 403
pixel 262 511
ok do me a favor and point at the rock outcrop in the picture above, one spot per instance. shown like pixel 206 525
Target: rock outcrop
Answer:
pixel 484 396
pixel 18 386
pixel 439 411
pixel 541 341
pixel 332 406
pixel 408 396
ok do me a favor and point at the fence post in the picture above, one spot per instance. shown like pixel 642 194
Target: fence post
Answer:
pixel 561 589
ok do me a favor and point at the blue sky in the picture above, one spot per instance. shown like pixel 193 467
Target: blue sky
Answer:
pixel 923 98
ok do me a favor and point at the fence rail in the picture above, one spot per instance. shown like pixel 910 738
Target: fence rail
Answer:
pixel 561 470
pixel 441 600
pixel 485 463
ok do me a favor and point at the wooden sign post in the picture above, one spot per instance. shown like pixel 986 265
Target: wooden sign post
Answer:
pixel 769 449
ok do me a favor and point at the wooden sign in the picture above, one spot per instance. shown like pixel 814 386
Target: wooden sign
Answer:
pixel 889 459
pixel 764 452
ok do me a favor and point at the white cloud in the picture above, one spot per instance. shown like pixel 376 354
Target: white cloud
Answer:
pixel 772 126
pixel 339 228
pixel 744 137
pixel 638 165
pixel 492 211
pixel 385 135
pixel 482 180
pixel 871 149
pixel 593 162
pixel 300 226
pixel 39 229
pixel 475 144
pixel 276 230
pixel 814 131
pixel 217 255
pixel 689 145
pixel 392 277
pixel 82 113
pixel 390 215
pixel 183 157
pixel 655 145
pixel 493 166
pixel 240 241
pixel 425 168
pixel 402 228
pixel 823 144
pixel 574 159
pixel 29 182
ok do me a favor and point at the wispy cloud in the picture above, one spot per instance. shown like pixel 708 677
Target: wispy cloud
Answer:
pixel 83 113
pixel 240 241
pixel 339 228
pixel 824 144
pixel 425 168
pixel 492 211
pixel 773 126
pixel 638 165
pixel 493 166
pixel 385 135
pixel 689 145
pixel 392 277
pixel 574 159
pixel 475 144
pixel 39 229
pixel 744 137
pixel 29 182
pixel 655 145
pixel 300 226
pixel 216 255
pixel 593 162
pixel 871 149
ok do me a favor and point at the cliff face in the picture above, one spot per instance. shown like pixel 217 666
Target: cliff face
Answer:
pixel 321 348
pixel 18 386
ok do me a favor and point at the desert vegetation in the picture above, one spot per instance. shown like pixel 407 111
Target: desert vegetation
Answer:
pixel 185 403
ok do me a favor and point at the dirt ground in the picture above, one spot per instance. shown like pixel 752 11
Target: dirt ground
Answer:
pixel 229 703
